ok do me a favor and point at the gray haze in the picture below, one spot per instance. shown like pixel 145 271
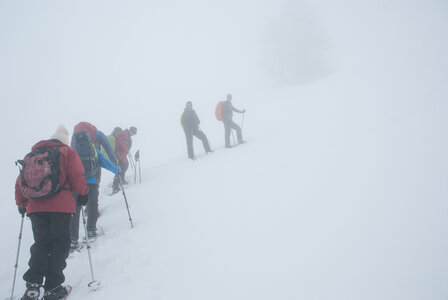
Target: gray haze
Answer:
pixel 347 98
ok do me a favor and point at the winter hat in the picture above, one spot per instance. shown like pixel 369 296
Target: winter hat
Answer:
pixel 61 134
pixel 229 96
pixel 133 130
pixel 189 104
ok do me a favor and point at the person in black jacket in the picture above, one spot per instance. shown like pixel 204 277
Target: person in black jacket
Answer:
pixel 190 123
pixel 227 110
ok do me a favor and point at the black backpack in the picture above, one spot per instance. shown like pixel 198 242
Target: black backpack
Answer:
pixel 40 173
pixel 82 143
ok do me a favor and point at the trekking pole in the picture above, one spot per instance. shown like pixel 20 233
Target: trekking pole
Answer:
pixel 133 165
pixel 17 257
pixel 139 171
pixel 233 138
pixel 126 201
pixel 242 122
pixel 137 159
pixel 135 175
pixel 94 283
pixel 131 162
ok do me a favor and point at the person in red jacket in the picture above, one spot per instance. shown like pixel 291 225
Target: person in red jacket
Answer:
pixel 50 219
pixel 123 143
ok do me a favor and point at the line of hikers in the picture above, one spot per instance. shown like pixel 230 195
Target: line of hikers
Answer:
pixel 224 112
pixel 56 180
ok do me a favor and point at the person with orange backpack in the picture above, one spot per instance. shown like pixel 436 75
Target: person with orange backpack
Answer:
pixel 224 112
pixel 190 124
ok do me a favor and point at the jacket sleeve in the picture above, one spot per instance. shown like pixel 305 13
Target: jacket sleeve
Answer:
pixel 75 173
pixel 196 120
pixel 237 110
pixel 21 201
pixel 107 164
pixel 102 140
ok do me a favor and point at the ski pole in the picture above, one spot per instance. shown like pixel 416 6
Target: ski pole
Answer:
pixel 135 175
pixel 139 171
pixel 131 162
pixel 93 283
pixel 242 122
pixel 132 159
pixel 126 201
pixel 134 166
pixel 17 257
pixel 137 159
pixel 233 138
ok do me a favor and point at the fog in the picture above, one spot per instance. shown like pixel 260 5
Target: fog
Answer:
pixel 137 63
pixel 360 82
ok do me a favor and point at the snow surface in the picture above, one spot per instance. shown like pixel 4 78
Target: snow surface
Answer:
pixel 340 192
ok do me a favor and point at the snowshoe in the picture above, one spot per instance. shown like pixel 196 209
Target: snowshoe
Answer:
pixel 58 293
pixel 115 190
pixel 92 236
pixel 75 246
pixel 32 291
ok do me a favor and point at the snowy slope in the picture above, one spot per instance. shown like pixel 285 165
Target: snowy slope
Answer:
pixel 340 192
pixel 338 225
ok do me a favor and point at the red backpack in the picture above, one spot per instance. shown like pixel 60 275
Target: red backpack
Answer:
pixel 40 173
pixel 218 111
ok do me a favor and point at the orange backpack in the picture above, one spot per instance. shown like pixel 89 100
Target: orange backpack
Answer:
pixel 218 111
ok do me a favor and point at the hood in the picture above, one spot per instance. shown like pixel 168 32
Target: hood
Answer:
pixel 48 143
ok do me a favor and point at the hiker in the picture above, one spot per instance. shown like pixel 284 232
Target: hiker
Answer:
pixel 50 217
pixel 190 123
pixel 227 110
pixel 111 139
pixel 123 143
pixel 82 144
pixel 98 138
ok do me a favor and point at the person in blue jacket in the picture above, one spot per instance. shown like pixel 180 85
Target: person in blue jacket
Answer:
pixel 92 204
pixel 98 138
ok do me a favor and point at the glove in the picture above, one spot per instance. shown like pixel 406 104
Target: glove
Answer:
pixel 244 111
pixel 83 199
pixel 119 170
pixel 22 210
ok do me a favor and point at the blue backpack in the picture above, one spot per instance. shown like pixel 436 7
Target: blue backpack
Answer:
pixel 83 144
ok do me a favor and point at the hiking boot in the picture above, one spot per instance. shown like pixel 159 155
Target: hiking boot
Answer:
pixel 115 190
pixel 59 292
pixel 242 142
pixel 75 246
pixel 32 291
pixel 228 146
pixel 92 235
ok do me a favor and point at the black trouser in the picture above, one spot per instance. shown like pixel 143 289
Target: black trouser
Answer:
pixel 228 126
pixel 51 231
pixel 200 135
pixel 92 213
pixel 123 168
